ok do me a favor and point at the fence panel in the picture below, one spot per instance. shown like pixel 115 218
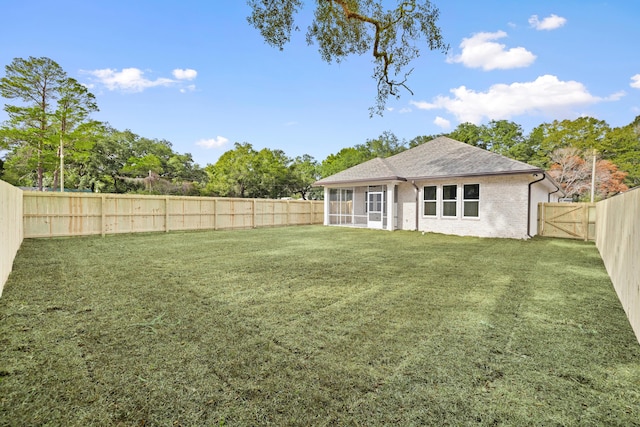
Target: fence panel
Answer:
pixel 618 240
pixel 11 228
pixel 567 220
pixel 80 214
pixel 48 215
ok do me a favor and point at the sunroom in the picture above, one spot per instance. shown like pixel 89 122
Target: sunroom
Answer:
pixel 366 206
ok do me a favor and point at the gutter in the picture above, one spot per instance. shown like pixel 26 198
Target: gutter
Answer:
pixel 557 189
pixel 529 202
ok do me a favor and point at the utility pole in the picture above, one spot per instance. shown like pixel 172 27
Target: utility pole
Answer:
pixel 61 164
pixel 593 175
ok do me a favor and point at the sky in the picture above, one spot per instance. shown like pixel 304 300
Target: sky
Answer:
pixel 195 73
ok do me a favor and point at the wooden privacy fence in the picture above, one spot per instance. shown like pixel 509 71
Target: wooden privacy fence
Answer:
pixel 81 214
pixel 11 234
pixel 618 240
pixel 567 220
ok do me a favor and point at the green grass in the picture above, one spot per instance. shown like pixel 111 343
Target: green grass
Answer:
pixel 314 326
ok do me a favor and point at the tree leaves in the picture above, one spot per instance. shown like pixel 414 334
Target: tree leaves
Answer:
pixel 342 28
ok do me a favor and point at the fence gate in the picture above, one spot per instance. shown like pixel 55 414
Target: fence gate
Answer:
pixel 567 220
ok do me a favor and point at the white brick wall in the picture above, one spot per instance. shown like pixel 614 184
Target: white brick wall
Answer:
pixel 502 208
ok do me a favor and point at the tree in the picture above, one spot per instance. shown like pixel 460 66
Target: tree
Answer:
pixel 623 145
pixel 303 172
pixel 245 172
pixel 582 133
pixel 468 133
pixel 346 27
pixel 233 173
pixel 507 138
pixel 609 180
pixel 74 129
pixel 271 171
pixel 419 140
pixel 386 145
pixel 37 83
pixel 343 159
pixel 124 161
pixel 572 168
pixel 571 171
pixel 108 157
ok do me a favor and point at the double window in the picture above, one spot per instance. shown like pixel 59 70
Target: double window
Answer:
pixel 449 201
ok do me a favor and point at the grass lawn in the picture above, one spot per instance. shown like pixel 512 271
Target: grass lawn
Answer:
pixel 314 326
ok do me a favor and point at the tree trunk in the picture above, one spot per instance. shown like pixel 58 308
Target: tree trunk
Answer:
pixel 55 179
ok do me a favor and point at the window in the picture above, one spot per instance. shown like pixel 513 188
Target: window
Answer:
pixel 430 200
pixel 375 188
pixel 471 200
pixel 449 196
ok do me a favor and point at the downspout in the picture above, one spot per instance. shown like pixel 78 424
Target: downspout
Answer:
pixel 417 203
pixel 529 204
pixel 557 189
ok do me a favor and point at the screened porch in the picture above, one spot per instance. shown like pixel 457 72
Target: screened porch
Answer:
pixel 364 206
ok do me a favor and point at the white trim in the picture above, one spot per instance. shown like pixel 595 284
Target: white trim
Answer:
pixel 450 201
pixel 423 201
pixel 463 216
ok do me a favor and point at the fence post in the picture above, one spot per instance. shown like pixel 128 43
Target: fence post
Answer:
pixel 166 214
pixel 103 215
pixel 253 213
pixel 288 213
pixel 585 221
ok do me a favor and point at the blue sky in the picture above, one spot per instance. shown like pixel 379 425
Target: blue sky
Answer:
pixel 196 74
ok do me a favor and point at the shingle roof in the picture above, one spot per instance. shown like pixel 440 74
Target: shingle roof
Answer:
pixel 441 157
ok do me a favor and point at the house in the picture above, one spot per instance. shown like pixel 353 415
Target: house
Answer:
pixel 442 186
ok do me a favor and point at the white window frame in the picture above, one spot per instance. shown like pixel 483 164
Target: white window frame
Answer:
pixel 434 201
pixel 465 200
pixel 453 201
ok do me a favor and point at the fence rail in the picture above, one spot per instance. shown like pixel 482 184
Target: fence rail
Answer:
pixel 81 214
pixel 567 220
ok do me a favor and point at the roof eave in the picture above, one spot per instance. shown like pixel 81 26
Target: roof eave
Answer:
pixel 463 175
pixel 359 180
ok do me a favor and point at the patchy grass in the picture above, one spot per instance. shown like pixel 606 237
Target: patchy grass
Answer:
pixel 314 326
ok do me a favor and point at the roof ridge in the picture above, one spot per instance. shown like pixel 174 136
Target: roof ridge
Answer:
pixel 439 158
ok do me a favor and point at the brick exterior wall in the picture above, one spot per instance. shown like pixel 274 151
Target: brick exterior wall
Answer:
pixel 503 207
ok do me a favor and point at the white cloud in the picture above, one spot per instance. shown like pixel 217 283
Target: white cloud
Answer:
pixel 551 22
pixel 129 79
pixel 546 96
pixel 480 51
pixel 404 110
pixel 615 96
pixel 442 123
pixel 423 105
pixel 187 74
pixel 635 81
pixel 134 80
pixel 217 142
pixel 189 88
